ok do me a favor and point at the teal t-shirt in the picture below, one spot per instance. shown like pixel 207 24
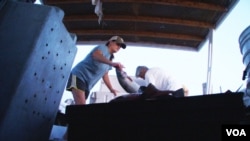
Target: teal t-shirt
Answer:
pixel 89 70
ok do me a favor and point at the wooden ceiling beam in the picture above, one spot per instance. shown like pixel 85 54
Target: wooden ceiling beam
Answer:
pixel 183 3
pixel 138 33
pixel 146 19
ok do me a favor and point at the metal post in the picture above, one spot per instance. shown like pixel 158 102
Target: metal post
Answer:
pixel 210 55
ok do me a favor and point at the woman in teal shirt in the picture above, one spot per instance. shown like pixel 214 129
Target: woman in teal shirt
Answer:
pixel 92 68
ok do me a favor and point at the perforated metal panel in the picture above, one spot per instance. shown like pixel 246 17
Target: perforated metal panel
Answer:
pixel 36 55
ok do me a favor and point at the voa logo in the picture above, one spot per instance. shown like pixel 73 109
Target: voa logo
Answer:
pixel 236 132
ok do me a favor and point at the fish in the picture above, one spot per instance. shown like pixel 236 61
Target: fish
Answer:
pixel 126 82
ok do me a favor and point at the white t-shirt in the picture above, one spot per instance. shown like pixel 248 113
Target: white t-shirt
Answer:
pixel 162 79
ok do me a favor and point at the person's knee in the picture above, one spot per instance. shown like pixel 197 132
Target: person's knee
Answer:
pixel 79 96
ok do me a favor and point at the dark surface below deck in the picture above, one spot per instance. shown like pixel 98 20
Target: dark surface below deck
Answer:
pixel 190 118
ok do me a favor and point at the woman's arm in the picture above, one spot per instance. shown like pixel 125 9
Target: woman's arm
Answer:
pixel 97 55
pixel 108 84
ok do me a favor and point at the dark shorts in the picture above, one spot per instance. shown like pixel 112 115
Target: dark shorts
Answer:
pixel 75 82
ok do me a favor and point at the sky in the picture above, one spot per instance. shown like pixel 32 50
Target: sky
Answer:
pixel 191 67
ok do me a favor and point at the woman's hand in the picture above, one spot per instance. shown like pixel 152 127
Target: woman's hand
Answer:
pixel 117 65
pixel 114 92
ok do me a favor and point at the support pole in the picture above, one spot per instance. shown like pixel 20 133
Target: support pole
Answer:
pixel 210 57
